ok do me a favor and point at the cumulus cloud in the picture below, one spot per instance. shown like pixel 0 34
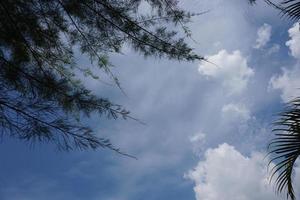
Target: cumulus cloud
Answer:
pixel 263 36
pixel 227 174
pixel 294 42
pixel 231 69
pixel 236 111
pixel 288 83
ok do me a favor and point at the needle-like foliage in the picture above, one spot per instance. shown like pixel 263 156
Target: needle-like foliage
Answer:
pixel 41 98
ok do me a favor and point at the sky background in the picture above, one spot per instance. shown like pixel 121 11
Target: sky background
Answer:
pixel 207 126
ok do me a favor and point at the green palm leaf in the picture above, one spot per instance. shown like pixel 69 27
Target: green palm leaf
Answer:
pixel 285 148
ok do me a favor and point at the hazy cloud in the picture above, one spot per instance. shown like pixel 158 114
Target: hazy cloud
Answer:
pixel 184 114
pixel 263 36
pixel 236 111
pixel 274 49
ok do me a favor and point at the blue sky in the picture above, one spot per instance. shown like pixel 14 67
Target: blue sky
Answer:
pixel 206 126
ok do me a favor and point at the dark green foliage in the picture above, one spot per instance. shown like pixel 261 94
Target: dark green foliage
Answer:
pixel 285 148
pixel 40 97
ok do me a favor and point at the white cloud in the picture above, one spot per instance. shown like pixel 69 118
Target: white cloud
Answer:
pixel 236 111
pixel 231 69
pixel 174 102
pixel 226 174
pixel 294 42
pixel 263 36
pixel 288 82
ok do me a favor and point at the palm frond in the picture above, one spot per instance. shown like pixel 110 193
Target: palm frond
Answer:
pixel 291 8
pixel 288 8
pixel 285 148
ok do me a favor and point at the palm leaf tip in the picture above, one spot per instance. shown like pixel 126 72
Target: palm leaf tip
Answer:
pixel 288 8
pixel 285 148
pixel 291 8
